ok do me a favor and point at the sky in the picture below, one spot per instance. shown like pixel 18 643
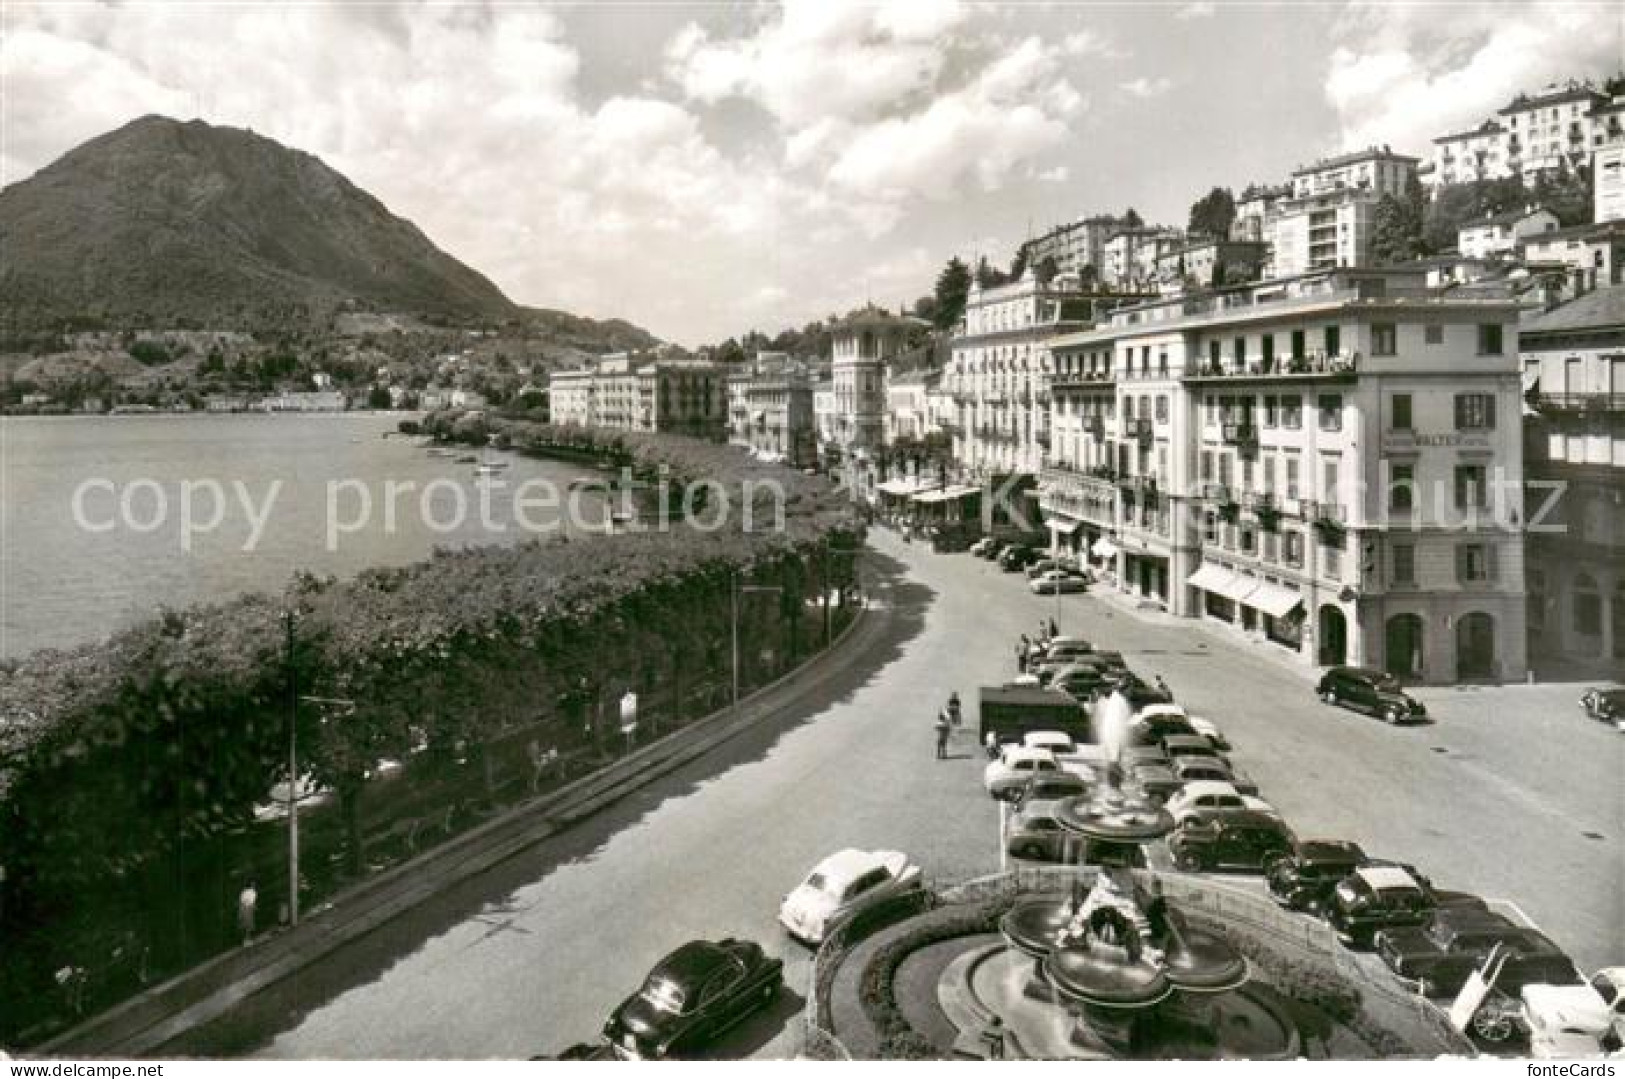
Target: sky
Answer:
pixel 706 169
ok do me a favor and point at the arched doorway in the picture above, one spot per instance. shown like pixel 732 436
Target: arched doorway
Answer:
pixel 1403 646
pixel 1333 634
pixel 1475 646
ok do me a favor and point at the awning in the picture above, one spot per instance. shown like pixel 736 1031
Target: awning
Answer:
pixel 896 487
pixel 1273 599
pixel 1104 548
pixel 1064 528
pixel 1210 577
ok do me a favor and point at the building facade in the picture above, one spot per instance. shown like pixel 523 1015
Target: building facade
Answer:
pixel 1576 474
pixel 687 397
pixel 1327 463
pixel 571 395
pixel 1557 130
pixel 1328 220
pixel 1608 184
pixel 1595 252
pixel 1074 245
pixel 861 345
pixel 779 400
pixel 1499 235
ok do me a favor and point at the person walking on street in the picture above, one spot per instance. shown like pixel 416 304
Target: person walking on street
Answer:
pixel 942 735
pixel 247 900
pixel 955 713
pixel 1054 630
pixel 1023 651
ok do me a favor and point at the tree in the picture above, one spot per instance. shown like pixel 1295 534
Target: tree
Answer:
pixel 1398 225
pixel 926 307
pixel 1131 219
pixel 986 275
pixel 1018 265
pixel 1569 196
pixel 953 286
pixel 1213 214
pixel 1046 270
pixel 378 396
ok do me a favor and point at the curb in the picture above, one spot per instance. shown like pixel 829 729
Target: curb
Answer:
pixel 147 1021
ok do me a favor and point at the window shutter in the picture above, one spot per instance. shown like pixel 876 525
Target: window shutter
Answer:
pixel 1460 412
pixel 1489 411
pixel 1461 563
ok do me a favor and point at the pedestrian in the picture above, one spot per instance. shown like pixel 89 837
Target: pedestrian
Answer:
pixel 1024 649
pixel 247 900
pixel 942 735
pixel 1054 630
pixel 955 713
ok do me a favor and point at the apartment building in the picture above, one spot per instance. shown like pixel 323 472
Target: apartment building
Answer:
pixel 1576 484
pixel 570 394
pixel 1327 463
pixel 1498 235
pixel 862 344
pixel 908 409
pixel 1608 183
pixel 1554 131
pixel 1596 253
pixel 999 371
pixel 616 398
pixel 1462 157
pixel 779 403
pixel 1255 211
pixel 1075 244
pixel 1328 220
pixel 680 396
pixel 1129 257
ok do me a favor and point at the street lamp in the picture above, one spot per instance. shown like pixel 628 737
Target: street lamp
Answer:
pixel 294 697
pixel 734 595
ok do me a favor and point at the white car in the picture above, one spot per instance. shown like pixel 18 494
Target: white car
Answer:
pixel 1057 742
pixel 1016 765
pixel 1148 716
pixel 1207 798
pixel 1052 581
pixel 840 886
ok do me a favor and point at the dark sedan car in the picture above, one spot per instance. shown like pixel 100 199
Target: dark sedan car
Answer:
pixel 1374 898
pixel 693 995
pixel 1439 956
pixel 1138 691
pixel 1605 706
pixel 1242 840
pixel 1017 557
pixel 1049 787
pixel 1303 878
pixel 1376 692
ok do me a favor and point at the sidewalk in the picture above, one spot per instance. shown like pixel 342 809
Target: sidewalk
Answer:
pixel 144 1023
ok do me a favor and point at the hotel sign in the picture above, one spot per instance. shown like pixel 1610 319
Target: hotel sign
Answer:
pixel 1400 441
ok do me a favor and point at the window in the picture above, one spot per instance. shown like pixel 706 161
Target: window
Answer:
pixel 1404 564
pixel 1334 340
pixel 1293 542
pixel 1384 339
pixel 1206 473
pixel 1214 350
pixel 1269 475
pixel 1587 606
pixel 1472 490
pixel 1292 412
pixel 1238 351
pixel 1489 339
pixel 1331 411
pixel 1297 344
pixel 1433 334
pixel 1475 411
pixel 1292 477
pixel 1272 410
pixel 1225 472
pixel 1331 469
pixel 1400 409
pixel 1402 488
pixel 1162 364
pixel 1268 341
pixel 1212 410
pixel 1473 563
pixel 1249 539
pixel 1162 408
pixel 1210 527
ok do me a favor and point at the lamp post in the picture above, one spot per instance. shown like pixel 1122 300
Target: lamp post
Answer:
pixel 294 698
pixel 734 595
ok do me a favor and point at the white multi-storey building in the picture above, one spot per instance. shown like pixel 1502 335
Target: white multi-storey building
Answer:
pixel 861 345
pixel 908 411
pixel 1478 153
pixel 1499 235
pixel 1554 131
pixel 1328 221
pixel 1608 183
pixel 1074 245
pixel 1328 462
pixel 570 396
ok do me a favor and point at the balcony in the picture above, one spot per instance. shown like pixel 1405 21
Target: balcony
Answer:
pixel 1084 380
pixel 1340 366
pixel 1219 493
pixel 1580 402
pixel 1078 494
pixel 1240 434
pixel 1324 515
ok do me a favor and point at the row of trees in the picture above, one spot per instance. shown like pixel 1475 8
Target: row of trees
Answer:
pixel 1412 225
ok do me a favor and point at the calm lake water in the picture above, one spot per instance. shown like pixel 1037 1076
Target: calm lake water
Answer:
pixel 310 480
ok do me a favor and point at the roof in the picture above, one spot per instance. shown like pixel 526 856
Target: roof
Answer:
pixel 692 962
pixel 870 315
pixel 1369 153
pixel 1601 308
pixel 1381 878
pixel 1610 230
pixel 848 864
pixel 1509 217
pixel 1486 128
pixel 1568 93
pixel 1026 695
pixel 1330 850
pixel 1202 787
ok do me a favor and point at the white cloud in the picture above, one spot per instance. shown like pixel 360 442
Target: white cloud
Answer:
pixel 1092 43
pixel 1399 77
pixel 1148 87
pixel 1200 10
pixel 1057 175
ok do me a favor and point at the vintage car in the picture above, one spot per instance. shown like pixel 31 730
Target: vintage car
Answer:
pixel 1058 580
pixel 1137 691
pixel 693 995
pixel 1034 834
pixel 1154 722
pixel 1065 648
pixel 1378 897
pixel 1207 800
pixel 1605 706
pixel 1017 557
pixel 1242 840
pixel 1057 742
pixel 840 886
pixel 1049 787
pixel 1376 692
pixel 1438 957
pixel 1152 777
pixel 1081 680
pixel 1205 767
pixel 1016 765
pixel 1303 877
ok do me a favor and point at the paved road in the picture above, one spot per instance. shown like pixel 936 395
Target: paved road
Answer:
pixel 1498 796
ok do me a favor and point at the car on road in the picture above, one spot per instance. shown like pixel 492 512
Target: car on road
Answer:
pixel 1376 692
pixel 1201 767
pixel 1033 832
pixel 1207 800
pixel 1246 839
pixel 1041 567
pixel 1155 721
pixel 840 886
pixel 1052 581
pixel 1438 957
pixel 1069 649
pixel 1050 787
pixel 693 995
pixel 1302 878
pixel 1605 705
pixel 1378 897
pixel 1016 765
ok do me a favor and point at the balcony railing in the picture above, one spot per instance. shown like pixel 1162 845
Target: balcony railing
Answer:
pixel 1581 402
pixel 1240 434
pixel 1325 514
pixel 1219 493
pixel 1312 365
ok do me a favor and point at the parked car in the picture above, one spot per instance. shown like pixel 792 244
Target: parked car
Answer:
pixel 1154 721
pixel 1303 877
pixel 1246 839
pixel 840 886
pixel 1057 742
pixel 1009 712
pixel 1138 692
pixel 1439 956
pixel 1155 778
pixel 1041 567
pixel 1050 787
pixel 1206 800
pixel 1605 706
pixel 1017 557
pixel 982 547
pixel 1066 648
pixel 1374 898
pixel 1052 581
pixel 1189 745
pixel 1376 692
pixel 1108 660
pixel 1034 833
pixel 1081 680
pixel 1204 768
pixel 1016 765
pixel 693 995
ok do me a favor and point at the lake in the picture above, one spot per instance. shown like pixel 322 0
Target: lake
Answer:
pixel 103 519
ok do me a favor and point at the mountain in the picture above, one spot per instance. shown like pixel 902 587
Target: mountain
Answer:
pixel 163 223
